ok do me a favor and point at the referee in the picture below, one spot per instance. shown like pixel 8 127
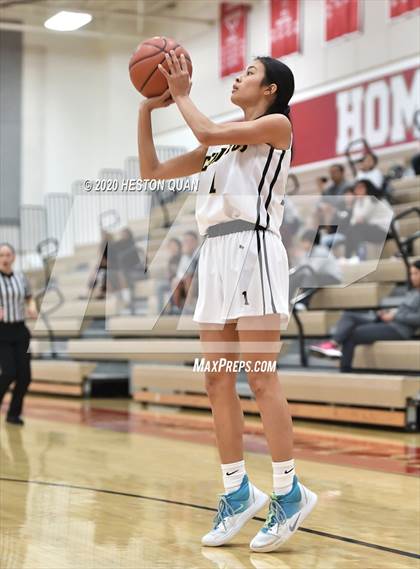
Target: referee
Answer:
pixel 14 335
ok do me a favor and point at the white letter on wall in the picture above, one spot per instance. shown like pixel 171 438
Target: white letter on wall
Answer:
pixel 404 105
pixel 376 135
pixel 349 117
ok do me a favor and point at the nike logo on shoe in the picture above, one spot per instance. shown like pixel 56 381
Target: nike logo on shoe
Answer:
pixel 292 526
pixel 229 473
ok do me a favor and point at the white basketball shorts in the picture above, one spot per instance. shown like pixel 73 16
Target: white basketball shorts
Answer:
pixel 241 274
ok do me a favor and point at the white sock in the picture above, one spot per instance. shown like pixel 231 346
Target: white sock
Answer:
pixel 283 473
pixel 232 475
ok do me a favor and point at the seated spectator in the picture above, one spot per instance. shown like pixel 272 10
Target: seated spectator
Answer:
pixel 183 279
pixel 131 259
pixel 368 170
pixel 332 195
pixel 120 266
pixel 370 220
pixel 175 250
pixel 317 266
pixel 339 184
pixel 356 328
pixel 128 264
pixel 338 221
pixel 98 277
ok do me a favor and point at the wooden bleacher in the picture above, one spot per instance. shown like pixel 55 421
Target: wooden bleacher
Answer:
pixel 384 271
pixel 316 323
pixel 390 248
pixel 398 208
pixel 60 327
pixel 408 182
pixel 151 326
pixel 134 350
pixel 408 225
pixel 60 377
pixel 359 295
pixel 390 355
pixel 387 271
pixel 366 399
pixel 406 190
pixel 182 350
pixel 85 308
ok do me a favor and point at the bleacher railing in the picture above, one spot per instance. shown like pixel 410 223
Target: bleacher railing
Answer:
pixel 404 245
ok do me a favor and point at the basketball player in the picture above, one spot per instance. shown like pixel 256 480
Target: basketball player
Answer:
pixel 243 279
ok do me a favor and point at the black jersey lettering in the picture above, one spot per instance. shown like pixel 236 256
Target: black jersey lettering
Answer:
pixel 215 156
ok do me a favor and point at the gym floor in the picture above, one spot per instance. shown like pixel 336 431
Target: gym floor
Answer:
pixel 106 483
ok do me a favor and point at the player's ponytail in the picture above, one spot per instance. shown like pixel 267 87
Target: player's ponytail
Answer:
pixel 280 74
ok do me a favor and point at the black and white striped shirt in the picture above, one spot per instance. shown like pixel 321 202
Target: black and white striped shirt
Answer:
pixel 14 290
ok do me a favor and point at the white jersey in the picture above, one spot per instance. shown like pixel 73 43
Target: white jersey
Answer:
pixel 243 181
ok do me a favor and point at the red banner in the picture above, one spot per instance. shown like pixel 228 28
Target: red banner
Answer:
pixel 381 110
pixel 342 18
pixel 398 7
pixel 284 27
pixel 233 28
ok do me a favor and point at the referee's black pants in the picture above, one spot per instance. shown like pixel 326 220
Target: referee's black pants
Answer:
pixel 15 363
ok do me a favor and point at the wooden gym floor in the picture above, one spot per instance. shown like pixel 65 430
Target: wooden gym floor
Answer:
pixel 104 484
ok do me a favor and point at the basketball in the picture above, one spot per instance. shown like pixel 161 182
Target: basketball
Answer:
pixel 143 65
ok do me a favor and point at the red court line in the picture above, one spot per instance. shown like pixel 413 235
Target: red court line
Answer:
pixel 385 456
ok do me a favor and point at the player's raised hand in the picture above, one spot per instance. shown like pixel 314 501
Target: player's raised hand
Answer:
pixel 159 102
pixel 179 80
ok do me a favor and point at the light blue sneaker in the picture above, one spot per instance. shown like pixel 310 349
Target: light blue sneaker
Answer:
pixel 234 510
pixel 285 514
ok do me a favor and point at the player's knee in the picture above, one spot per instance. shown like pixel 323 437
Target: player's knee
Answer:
pixel 218 383
pixel 260 383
